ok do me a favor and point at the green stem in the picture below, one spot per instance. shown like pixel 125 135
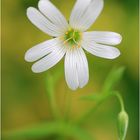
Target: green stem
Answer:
pixel 119 97
pixel 67 106
pixel 53 106
pixel 51 96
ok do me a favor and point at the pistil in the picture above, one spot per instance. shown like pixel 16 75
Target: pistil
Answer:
pixel 72 37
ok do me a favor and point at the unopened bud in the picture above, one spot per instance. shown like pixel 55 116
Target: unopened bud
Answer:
pixel 123 121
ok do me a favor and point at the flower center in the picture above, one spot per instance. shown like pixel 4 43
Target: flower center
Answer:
pixel 72 37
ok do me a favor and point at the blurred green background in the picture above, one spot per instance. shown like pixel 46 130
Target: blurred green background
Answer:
pixel 24 100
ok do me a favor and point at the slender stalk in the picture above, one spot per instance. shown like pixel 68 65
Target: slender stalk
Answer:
pixel 51 96
pixel 119 97
pixel 67 106
pixel 53 106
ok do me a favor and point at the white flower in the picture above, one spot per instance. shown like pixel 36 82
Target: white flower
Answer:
pixel 70 40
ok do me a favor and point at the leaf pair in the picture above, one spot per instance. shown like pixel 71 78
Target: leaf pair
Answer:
pixel 108 90
pixel 111 81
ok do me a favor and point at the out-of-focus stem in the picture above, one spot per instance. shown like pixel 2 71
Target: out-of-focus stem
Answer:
pixel 51 97
pixel 90 112
pixel 53 105
pixel 119 97
pixel 67 106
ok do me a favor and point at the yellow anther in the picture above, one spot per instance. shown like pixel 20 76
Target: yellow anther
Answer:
pixel 66 33
pixel 72 37
pixel 64 42
pixel 79 46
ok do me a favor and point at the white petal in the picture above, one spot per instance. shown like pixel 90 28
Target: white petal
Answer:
pixel 50 60
pixel 41 50
pixel 82 67
pixel 78 10
pixel 76 69
pixel 85 13
pixel 103 37
pixel 101 50
pixel 70 71
pixel 40 21
pixel 53 14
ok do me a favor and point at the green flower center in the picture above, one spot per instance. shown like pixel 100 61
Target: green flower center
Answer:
pixel 72 37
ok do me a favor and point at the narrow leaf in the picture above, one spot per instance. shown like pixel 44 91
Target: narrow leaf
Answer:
pixel 112 79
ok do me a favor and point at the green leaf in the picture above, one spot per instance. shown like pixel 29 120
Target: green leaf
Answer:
pixel 49 129
pixel 114 76
pixel 112 79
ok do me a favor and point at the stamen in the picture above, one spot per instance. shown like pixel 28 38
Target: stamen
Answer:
pixel 79 46
pixel 67 40
pixel 72 37
pixel 75 41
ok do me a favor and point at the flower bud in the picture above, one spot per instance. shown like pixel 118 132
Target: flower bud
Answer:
pixel 123 121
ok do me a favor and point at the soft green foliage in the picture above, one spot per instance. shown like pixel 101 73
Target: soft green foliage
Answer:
pixel 108 88
pixel 123 120
pixel 63 128
pixel 112 79
pixel 49 129
pixel 23 93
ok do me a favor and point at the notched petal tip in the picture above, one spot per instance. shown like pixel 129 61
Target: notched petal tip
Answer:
pixel 114 55
pixel 84 84
pixel 27 56
pixel 102 4
pixel 41 2
pixel 120 38
pixel 29 10
pixel 117 38
pixel 35 69
pixel 79 86
pixel 85 12
pixel 74 89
